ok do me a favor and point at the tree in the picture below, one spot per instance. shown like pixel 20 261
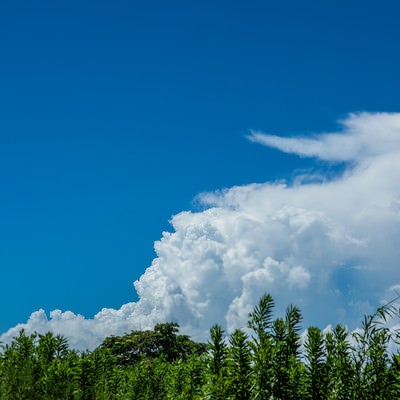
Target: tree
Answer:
pixel 55 372
pixel 340 368
pixel 239 366
pixel 316 364
pixel 162 364
pixel 286 351
pixel 260 321
pixel 187 378
pixel 19 368
pixel 217 365
pixel 162 341
pixel 371 355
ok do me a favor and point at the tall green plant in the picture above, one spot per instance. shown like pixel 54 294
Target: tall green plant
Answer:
pixel 260 322
pixel 286 353
pixel 372 356
pixel 316 376
pixel 239 366
pixel 217 387
pixel 340 366
pixel 19 371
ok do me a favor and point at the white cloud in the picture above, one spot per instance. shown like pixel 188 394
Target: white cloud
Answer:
pixel 331 248
pixel 364 135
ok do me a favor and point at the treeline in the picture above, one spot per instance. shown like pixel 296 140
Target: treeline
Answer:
pixel 270 360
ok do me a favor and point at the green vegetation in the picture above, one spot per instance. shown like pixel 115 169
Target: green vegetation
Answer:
pixel 269 361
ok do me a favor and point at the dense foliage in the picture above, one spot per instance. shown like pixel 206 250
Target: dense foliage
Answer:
pixel 270 360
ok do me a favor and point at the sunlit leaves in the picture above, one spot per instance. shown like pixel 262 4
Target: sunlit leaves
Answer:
pixel 267 362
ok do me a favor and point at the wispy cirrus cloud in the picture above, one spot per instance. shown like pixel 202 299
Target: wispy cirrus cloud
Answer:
pixel 364 135
pixel 330 247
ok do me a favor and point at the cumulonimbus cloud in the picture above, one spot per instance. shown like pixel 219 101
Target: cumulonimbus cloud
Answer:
pixel 331 247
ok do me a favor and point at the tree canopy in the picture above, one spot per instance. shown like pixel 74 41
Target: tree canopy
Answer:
pixel 270 360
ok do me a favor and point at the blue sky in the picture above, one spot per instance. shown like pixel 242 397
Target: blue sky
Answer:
pixel 115 116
